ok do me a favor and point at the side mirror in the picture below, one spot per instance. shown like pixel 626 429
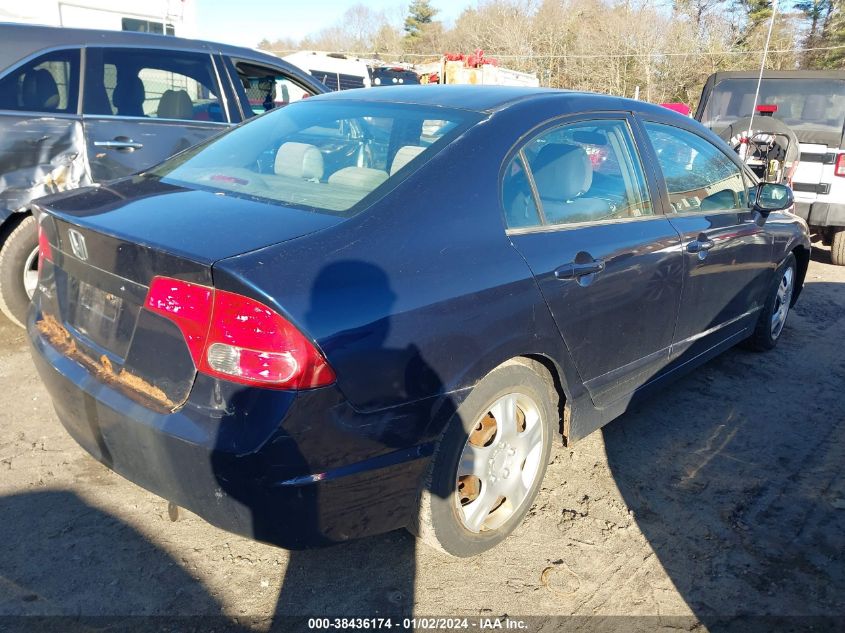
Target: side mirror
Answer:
pixel 772 196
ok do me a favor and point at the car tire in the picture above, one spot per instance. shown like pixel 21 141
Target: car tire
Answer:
pixel 503 433
pixel 773 316
pixel 837 248
pixel 18 256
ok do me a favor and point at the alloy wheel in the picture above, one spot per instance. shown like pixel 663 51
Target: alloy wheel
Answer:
pixel 782 300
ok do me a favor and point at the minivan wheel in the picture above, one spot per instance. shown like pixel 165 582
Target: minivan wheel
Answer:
pixel 490 461
pixel 837 248
pixel 19 270
pixel 773 315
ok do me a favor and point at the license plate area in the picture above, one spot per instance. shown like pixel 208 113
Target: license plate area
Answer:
pixel 100 316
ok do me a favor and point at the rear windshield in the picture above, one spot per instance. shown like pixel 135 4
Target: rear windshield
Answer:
pixel 325 156
pixel 805 105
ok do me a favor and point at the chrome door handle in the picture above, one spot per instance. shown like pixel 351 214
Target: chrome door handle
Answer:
pixel 573 270
pixel 697 246
pixel 120 143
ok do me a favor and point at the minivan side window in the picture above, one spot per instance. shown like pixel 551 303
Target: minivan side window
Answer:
pixel 49 83
pixel 699 176
pixel 152 84
pixel 587 171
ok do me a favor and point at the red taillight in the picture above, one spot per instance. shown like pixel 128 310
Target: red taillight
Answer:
pixel 839 169
pixel 237 338
pixel 44 249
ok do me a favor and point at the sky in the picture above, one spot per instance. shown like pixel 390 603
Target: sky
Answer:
pixel 247 22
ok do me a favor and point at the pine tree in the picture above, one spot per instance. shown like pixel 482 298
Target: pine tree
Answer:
pixel 420 15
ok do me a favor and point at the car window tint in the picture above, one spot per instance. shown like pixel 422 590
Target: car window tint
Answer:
pixel 49 83
pixel 698 175
pixel 517 197
pixel 319 155
pixel 152 84
pixel 266 87
pixel 588 172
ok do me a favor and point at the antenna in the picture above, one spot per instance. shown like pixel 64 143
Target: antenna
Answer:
pixel 762 67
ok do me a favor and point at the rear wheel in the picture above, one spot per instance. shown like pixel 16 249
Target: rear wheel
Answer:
pixel 19 270
pixel 837 248
pixel 490 462
pixel 773 316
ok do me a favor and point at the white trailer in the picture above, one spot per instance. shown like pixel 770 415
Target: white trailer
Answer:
pixel 169 17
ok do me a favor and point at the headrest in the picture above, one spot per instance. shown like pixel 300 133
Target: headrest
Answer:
pixel 404 156
pixel 358 177
pixel 299 160
pixel 175 104
pixel 562 172
pixel 39 90
pixel 129 95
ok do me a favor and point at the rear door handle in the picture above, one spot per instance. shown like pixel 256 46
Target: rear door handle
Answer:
pixel 699 245
pixel 573 270
pixel 121 143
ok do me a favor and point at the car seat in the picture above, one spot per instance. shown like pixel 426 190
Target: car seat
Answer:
pixel 405 155
pixel 563 173
pixel 39 91
pixel 358 177
pixel 129 96
pixel 299 160
pixel 175 104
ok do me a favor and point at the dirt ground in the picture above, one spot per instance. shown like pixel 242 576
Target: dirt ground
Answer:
pixel 724 495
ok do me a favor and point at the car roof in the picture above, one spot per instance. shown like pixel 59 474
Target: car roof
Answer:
pixel 485 98
pixel 777 74
pixel 23 40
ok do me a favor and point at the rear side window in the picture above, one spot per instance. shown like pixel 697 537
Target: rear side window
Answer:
pixel 319 155
pixel 698 175
pixel 152 84
pixel 583 172
pixel 338 81
pixel 49 83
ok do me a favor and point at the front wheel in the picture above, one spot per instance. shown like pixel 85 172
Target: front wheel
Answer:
pixel 19 270
pixel 489 464
pixel 778 302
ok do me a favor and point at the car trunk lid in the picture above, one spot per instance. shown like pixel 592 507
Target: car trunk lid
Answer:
pixel 108 244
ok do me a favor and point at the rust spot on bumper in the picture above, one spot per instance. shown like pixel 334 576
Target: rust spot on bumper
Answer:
pixel 128 383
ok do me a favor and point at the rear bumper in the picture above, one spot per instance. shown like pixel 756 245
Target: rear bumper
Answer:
pixel 296 470
pixel 821 213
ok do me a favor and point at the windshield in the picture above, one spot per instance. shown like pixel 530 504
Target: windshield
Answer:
pixel 805 105
pixel 318 155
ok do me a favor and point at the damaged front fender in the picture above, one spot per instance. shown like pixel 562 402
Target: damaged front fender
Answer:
pixel 39 156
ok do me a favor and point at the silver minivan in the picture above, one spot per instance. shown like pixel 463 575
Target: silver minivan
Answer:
pixel 80 106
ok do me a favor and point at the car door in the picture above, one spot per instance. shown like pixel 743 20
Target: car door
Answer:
pixel 141 106
pixel 40 129
pixel 727 250
pixel 608 263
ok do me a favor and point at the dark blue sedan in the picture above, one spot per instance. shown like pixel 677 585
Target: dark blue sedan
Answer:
pixel 378 309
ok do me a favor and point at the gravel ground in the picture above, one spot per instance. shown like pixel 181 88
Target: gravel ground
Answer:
pixel 724 495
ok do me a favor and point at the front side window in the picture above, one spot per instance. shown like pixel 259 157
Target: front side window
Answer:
pixel 266 88
pixel 152 84
pixel 324 156
pixel 698 175
pixel 49 83
pixel 583 172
